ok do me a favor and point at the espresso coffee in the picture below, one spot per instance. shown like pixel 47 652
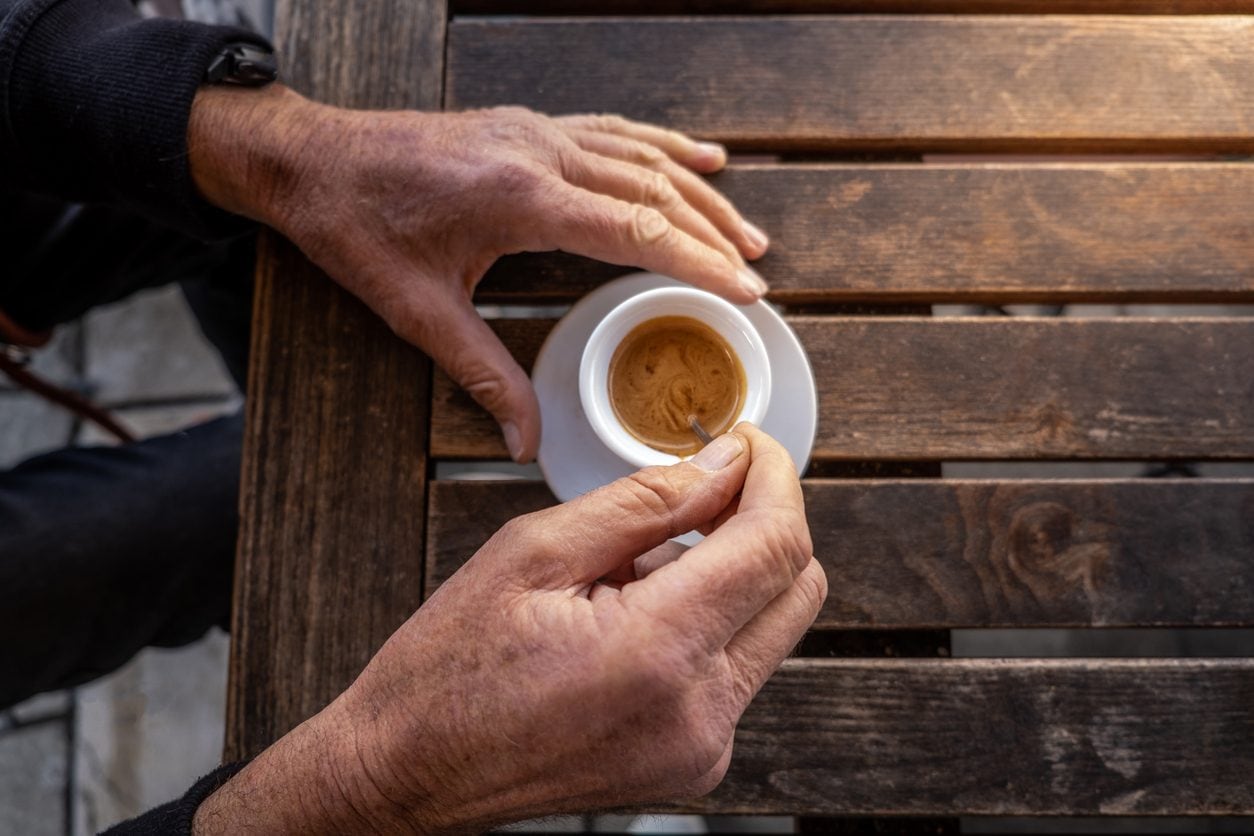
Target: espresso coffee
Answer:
pixel 667 369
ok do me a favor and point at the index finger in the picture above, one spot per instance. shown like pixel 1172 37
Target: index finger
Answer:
pixel 608 229
pixel 720 584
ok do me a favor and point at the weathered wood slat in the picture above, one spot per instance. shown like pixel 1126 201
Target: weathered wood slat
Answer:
pixel 880 82
pixel 318 583
pixel 897 388
pixel 690 7
pixel 999 233
pixel 990 737
pixel 914 554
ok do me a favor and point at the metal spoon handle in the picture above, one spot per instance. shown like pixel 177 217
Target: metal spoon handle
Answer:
pixel 705 437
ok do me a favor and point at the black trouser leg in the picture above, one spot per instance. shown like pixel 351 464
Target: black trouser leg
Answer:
pixel 104 551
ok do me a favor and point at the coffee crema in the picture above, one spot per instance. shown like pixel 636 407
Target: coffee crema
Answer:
pixel 667 369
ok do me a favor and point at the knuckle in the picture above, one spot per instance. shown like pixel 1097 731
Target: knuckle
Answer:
pixel 532 136
pixel 510 111
pixel 648 155
pixel 570 159
pixel 783 547
pixel 510 120
pixel 513 530
pixel 514 176
pixel 647 227
pixel 522 534
pixel 659 192
pixel 813 583
pixel 792 538
pixel 482 384
pixel 805 540
pixel 651 492
pixel 509 129
pixel 609 122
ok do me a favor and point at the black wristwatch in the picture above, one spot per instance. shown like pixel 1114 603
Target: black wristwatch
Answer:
pixel 242 63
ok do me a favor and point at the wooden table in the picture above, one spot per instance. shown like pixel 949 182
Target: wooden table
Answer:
pixel 345 530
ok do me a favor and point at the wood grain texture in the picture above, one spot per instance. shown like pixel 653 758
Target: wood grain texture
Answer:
pixel 987 233
pixel 880 82
pixel 370 55
pixel 916 554
pixel 319 585
pixel 991 737
pixel 691 7
pixel 913 389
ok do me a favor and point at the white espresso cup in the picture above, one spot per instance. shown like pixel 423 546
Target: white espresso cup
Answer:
pixel 726 320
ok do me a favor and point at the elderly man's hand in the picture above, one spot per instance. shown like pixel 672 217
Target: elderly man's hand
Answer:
pixel 576 662
pixel 408 210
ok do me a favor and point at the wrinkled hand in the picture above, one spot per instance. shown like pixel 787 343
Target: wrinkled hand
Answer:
pixel 576 661
pixel 408 210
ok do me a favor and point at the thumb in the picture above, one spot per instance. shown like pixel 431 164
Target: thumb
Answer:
pixel 591 536
pixel 470 353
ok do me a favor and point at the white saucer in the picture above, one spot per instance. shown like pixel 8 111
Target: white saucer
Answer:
pixel 574 460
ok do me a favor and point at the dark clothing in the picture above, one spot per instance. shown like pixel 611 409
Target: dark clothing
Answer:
pixel 175 818
pixel 106 550
pixel 94 104
pixel 62 259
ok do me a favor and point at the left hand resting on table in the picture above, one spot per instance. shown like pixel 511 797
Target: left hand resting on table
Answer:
pixel 407 211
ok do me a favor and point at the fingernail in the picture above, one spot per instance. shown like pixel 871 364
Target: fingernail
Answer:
pixel 716 153
pixel 756 236
pixel 719 453
pixel 513 439
pixel 751 281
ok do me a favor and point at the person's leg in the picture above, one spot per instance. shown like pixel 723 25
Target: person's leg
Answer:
pixel 104 551
pixel 107 550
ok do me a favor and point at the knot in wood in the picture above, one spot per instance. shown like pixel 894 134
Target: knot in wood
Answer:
pixel 1040 533
pixel 1056 554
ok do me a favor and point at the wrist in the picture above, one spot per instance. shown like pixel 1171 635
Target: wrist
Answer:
pixel 307 782
pixel 247 148
pixel 425 757
pixel 388 770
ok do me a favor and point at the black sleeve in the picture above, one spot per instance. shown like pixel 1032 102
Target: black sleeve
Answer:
pixel 175 818
pixel 94 104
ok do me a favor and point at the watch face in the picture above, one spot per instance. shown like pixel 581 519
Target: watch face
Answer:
pixel 241 63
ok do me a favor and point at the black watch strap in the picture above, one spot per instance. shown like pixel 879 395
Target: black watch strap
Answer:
pixel 242 63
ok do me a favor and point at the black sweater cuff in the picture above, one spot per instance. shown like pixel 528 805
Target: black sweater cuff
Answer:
pixel 94 103
pixel 175 818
